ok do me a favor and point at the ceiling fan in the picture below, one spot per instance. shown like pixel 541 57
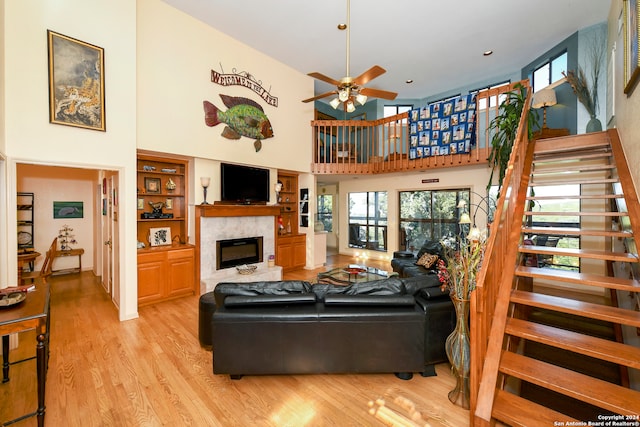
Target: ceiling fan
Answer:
pixel 349 90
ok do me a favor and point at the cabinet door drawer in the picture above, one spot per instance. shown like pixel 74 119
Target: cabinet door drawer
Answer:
pixel 180 253
pixel 151 257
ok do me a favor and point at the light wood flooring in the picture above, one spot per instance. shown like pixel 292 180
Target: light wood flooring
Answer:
pixel 151 371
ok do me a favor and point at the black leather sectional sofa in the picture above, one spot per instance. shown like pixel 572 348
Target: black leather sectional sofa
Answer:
pixel 405 263
pixel 293 327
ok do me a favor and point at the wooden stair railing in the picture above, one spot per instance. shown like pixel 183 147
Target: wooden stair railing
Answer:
pixel 595 162
pixel 382 145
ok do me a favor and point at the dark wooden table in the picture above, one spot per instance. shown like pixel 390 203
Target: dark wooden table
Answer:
pixel 32 313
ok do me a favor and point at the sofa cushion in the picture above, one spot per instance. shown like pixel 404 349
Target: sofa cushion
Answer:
pixel 433 247
pixel 283 287
pixel 257 300
pixel 390 286
pixel 414 285
pixel 370 300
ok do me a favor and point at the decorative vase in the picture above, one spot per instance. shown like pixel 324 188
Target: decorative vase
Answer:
pixel 594 125
pixel 457 348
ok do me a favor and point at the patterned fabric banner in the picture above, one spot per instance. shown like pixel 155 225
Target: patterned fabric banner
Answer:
pixel 441 128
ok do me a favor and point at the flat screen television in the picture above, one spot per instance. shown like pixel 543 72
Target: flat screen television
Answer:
pixel 244 184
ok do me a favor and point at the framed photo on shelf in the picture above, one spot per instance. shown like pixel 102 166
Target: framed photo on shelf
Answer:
pixel 76 71
pixel 152 185
pixel 160 236
pixel 140 203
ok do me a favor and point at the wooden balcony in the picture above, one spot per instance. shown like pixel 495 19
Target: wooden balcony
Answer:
pixel 382 146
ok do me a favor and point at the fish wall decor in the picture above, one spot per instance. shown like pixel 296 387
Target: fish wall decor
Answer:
pixel 244 117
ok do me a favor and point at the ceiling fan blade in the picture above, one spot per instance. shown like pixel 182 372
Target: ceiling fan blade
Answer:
pixel 324 78
pixel 369 75
pixel 377 93
pixel 324 95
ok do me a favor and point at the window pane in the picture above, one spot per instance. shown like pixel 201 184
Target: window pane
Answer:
pixel 368 220
pixel 325 211
pixel 558 66
pixel 541 77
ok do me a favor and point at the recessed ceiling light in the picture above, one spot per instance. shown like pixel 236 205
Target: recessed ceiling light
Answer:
pixel 487 52
pixel 409 81
pixel 342 26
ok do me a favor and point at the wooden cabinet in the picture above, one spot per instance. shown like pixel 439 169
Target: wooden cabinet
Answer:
pixel 291 252
pixel 165 273
pixel 291 247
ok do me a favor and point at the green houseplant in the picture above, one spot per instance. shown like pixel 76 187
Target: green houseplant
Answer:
pixel 504 128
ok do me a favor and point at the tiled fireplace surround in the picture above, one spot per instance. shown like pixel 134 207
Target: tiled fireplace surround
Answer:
pixel 215 223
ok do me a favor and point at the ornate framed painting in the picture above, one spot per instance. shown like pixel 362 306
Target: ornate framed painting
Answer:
pixel 631 42
pixel 76 82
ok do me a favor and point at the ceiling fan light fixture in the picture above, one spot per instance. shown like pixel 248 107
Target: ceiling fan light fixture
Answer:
pixel 350 107
pixel 335 102
pixel 361 99
pixel 343 95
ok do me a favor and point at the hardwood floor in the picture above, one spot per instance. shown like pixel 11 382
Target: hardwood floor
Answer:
pixel 151 371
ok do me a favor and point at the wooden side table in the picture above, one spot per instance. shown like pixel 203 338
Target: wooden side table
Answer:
pixel 33 313
pixel 71 252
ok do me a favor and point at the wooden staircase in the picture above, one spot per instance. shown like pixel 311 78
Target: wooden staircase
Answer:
pixel 609 213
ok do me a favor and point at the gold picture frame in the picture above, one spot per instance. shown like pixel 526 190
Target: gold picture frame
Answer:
pixel 76 82
pixel 152 185
pixel 631 29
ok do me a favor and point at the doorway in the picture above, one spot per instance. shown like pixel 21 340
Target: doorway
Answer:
pixel 92 223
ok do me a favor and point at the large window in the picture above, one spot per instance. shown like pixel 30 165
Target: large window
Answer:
pixel 325 211
pixel 493 101
pixel 429 215
pixel 368 220
pixel 392 110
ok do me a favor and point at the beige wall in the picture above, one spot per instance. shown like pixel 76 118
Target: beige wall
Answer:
pixel 51 184
pixel 626 108
pixel 176 54
pixel 473 177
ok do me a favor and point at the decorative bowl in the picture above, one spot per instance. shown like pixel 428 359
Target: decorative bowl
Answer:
pixel 246 269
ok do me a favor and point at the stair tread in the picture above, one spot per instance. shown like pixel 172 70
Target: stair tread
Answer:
pixel 597 392
pixel 572 231
pixel 571 169
pixel 579 213
pixel 573 182
pixel 577 196
pixel 519 412
pixel 542 158
pixel 586 142
pixel 579 308
pixel 579 278
pixel 598 348
pixel 581 253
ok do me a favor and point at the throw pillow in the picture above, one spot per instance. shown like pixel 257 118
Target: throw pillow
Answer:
pixel 427 260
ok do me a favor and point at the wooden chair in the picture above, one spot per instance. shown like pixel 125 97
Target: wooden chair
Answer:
pixel 46 269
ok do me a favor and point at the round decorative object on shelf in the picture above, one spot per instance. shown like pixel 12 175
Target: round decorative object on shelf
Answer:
pixel 24 237
pixel 246 269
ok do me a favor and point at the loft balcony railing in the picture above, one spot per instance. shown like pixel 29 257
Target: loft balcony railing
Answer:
pixel 382 146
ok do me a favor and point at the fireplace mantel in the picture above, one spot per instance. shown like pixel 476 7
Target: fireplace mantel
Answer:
pixel 236 210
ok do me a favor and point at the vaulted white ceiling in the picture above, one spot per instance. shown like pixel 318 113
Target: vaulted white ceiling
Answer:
pixel 437 44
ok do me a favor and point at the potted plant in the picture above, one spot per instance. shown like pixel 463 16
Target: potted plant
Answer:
pixel 504 128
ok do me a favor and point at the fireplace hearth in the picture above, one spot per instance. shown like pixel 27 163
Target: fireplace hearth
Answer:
pixel 234 252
